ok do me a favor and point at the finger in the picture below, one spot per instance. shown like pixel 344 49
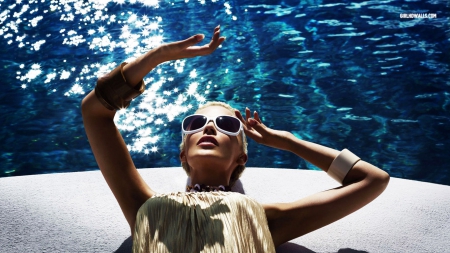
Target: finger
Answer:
pixel 215 44
pixel 247 114
pixel 216 40
pixel 217 28
pixel 257 125
pixel 239 116
pixel 216 34
pixel 191 41
pixel 256 116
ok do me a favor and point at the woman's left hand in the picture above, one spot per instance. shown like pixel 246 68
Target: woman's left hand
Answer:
pixel 256 130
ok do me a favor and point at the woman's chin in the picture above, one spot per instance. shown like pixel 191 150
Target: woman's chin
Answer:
pixel 208 153
pixel 209 156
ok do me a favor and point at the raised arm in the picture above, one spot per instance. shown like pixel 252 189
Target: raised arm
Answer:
pixel 363 183
pixel 107 144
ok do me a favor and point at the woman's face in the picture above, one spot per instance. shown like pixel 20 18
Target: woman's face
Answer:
pixel 211 148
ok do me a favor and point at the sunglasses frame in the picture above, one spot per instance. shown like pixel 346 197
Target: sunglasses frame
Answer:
pixel 208 119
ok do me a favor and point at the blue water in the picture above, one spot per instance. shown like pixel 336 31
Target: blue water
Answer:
pixel 343 74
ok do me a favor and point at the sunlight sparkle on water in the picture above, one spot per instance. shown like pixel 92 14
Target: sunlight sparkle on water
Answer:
pixel 64 74
pixel 150 3
pixel 50 77
pixel 91 26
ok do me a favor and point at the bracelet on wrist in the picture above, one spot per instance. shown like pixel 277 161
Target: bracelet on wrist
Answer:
pixel 113 91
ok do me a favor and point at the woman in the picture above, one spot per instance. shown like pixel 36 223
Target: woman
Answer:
pixel 213 152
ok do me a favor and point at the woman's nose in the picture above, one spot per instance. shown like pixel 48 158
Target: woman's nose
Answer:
pixel 210 128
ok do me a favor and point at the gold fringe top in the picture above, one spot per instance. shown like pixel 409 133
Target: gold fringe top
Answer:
pixel 202 222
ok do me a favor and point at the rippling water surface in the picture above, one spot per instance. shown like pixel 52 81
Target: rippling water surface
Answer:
pixel 343 74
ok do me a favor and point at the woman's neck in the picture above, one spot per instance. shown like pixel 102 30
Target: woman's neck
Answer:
pixel 210 177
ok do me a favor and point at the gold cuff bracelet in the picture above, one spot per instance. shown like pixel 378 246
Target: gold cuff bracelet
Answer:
pixel 113 91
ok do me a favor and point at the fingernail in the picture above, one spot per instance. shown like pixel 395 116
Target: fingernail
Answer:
pixel 246 108
pixel 200 37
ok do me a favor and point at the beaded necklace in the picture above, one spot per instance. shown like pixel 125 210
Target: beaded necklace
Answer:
pixel 207 188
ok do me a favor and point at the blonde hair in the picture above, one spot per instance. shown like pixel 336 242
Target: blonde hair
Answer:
pixel 237 172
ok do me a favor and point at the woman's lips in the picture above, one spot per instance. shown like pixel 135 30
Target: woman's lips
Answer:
pixel 207 141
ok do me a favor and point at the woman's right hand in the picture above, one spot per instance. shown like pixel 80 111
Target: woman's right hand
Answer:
pixel 187 49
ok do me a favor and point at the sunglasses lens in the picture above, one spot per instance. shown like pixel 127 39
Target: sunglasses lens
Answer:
pixel 229 124
pixel 194 122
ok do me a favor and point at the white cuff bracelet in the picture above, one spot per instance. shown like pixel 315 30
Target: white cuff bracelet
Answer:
pixel 342 164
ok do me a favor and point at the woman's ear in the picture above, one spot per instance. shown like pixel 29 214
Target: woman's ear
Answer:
pixel 182 157
pixel 242 159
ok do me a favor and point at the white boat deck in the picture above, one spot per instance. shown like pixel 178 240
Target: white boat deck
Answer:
pixel 76 212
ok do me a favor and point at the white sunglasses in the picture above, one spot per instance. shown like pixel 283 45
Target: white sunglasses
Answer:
pixel 228 125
